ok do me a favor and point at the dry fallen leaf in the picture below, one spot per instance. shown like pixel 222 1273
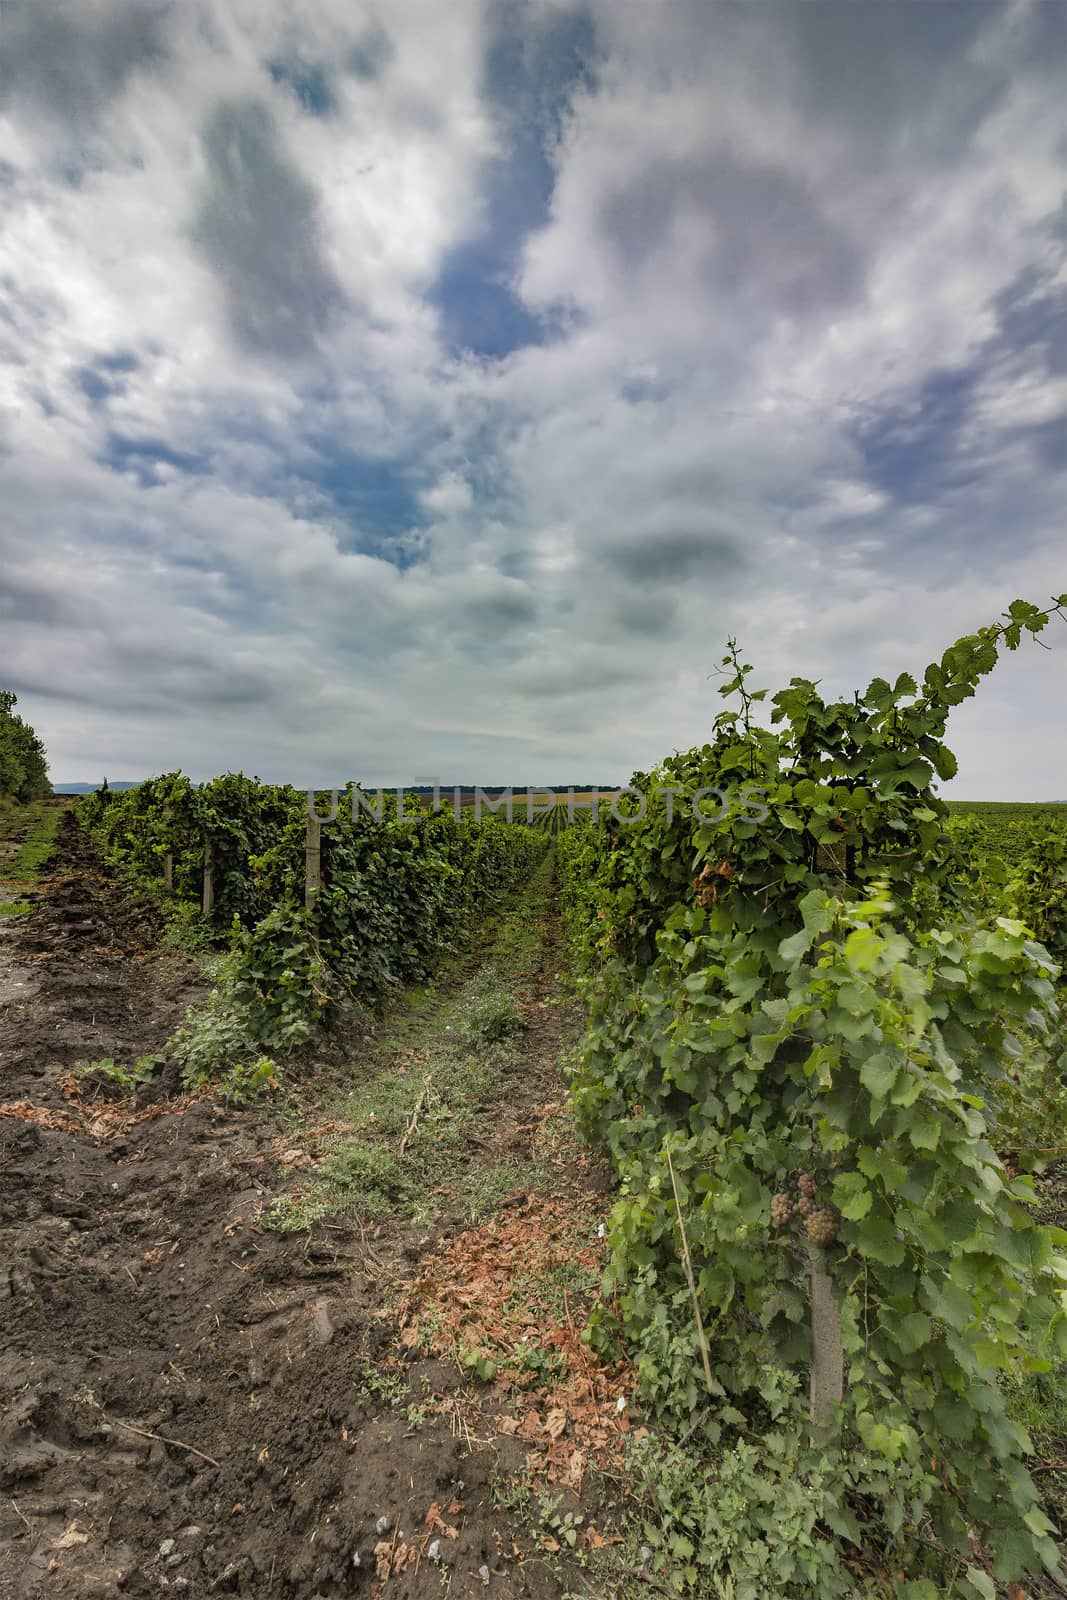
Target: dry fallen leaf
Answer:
pixel 437 1523
pixel 383 1559
pixel 574 1471
pixel 72 1536
pixel 555 1422
pixel 388 1562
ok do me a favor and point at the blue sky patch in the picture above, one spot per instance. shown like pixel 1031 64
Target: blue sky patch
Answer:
pixel 145 456
pixel 531 75
pixel 98 380
pixel 377 499
pixel 307 82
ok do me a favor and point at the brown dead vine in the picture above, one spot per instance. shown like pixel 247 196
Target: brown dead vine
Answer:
pixel 497 1295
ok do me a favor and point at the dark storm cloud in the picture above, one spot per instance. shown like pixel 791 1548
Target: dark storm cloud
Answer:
pixel 494 616
pixel 1048 441
pixel 767 238
pixel 68 65
pixel 648 615
pixel 858 64
pixel 565 679
pixel 672 558
pixel 257 226
pixel 23 601
pixel 141 676
pixel 213 680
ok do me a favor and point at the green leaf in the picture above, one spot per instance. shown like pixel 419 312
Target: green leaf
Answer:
pixel 981 1583
pixel 852 1197
pixel 796 945
pixel 881 1163
pixel 924 1131
pixel 879 1074
pixel 876 1237
pixel 911 1333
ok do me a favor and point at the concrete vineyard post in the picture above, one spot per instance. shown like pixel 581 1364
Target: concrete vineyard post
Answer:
pixel 312 861
pixel 209 876
pixel 827 1357
pixel 168 871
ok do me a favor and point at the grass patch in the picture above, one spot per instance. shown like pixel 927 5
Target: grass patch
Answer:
pixel 38 844
pixel 371 1173
pixel 447 1060
pixel 356 1177
pixel 15 908
pixel 1039 1402
pixel 491 1186
pixel 490 1012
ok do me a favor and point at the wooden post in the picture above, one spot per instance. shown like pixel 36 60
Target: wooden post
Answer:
pixel 168 871
pixel 209 876
pixel 827 1357
pixel 312 860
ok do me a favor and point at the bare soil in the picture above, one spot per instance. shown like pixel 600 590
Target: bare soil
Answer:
pixel 191 1403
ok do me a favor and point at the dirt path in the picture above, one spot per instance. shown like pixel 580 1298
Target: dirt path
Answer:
pixel 196 1403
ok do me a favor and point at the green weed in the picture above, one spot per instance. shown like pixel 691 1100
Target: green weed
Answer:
pixel 388 1386
pixel 38 845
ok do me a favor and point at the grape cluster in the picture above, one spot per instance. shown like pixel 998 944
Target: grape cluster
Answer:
pixel 820 1223
pixel 821 1228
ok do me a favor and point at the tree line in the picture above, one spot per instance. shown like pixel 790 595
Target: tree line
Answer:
pixel 23 764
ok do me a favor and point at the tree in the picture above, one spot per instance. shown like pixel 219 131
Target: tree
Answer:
pixel 23 766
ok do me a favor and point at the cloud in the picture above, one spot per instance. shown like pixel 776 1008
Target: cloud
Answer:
pixel 257 225
pixel 673 557
pixel 64 61
pixel 435 388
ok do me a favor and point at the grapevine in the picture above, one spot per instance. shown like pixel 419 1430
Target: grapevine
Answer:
pixel 814 1016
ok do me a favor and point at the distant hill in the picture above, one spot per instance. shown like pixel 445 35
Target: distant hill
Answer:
pixel 91 788
pixel 446 790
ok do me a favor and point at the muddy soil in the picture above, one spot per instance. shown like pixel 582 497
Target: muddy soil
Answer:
pixel 193 1405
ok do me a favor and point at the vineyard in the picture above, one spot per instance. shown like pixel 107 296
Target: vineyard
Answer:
pixel 826 1060
pixel 391 895
pixel 769 1303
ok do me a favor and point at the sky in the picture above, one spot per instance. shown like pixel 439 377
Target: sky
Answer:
pixel 408 391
